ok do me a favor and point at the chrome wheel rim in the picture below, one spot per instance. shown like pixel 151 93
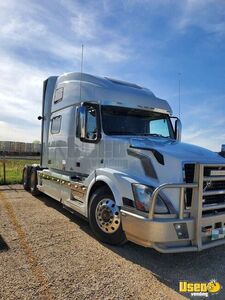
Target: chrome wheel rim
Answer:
pixel 107 215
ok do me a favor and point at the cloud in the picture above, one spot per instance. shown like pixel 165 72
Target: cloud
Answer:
pixel 204 138
pixel 20 98
pixel 37 29
pixel 38 41
pixel 203 122
pixel 21 30
pixel 182 16
pixel 84 24
pixel 11 132
pixel 207 15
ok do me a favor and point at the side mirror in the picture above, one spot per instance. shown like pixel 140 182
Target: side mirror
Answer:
pixel 82 114
pixel 178 129
pixel 88 123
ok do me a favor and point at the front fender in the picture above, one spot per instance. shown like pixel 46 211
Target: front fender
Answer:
pixel 112 185
pixel 118 182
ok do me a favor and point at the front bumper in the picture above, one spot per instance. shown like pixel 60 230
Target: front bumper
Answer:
pixel 161 233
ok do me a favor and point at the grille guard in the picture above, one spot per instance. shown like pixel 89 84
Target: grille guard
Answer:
pixel 197 205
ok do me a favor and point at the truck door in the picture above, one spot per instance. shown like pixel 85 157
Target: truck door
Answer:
pixel 88 142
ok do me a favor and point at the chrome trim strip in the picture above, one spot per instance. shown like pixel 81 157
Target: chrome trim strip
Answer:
pixel 214 165
pixel 214 178
pixel 78 189
pixel 213 207
pixel 215 192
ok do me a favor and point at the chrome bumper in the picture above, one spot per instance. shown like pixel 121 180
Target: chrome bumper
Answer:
pixel 161 234
pixel 177 233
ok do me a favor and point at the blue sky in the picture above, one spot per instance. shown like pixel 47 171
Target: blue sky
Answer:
pixel 145 42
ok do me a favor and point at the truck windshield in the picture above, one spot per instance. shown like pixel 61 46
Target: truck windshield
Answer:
pixel 129 121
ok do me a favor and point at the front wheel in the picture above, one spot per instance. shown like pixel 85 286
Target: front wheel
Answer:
pixel 104 218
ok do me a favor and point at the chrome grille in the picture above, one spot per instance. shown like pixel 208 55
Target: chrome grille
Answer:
pixel 216 185
pixel 213 186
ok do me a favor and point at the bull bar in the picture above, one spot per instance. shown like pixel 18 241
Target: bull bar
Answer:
pixel 160 232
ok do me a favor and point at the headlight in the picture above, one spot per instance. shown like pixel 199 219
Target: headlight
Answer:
pixel 142 195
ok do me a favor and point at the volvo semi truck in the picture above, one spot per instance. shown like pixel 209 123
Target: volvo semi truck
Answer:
pixel 112 151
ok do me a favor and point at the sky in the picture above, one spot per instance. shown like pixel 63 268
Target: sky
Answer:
pixel 150 43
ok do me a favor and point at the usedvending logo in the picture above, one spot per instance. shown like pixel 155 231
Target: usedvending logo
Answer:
pixel 202 289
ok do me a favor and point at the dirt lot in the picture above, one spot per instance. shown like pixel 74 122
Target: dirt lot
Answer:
pixel 49 253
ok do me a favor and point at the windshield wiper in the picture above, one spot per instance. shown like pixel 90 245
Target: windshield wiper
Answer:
pixel 149 134
pixel 136 134
pixel 154 134
pixel 121 133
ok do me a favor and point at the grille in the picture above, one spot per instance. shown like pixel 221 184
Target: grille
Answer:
pixel 208 186
pixel 214 185
pixel 207 170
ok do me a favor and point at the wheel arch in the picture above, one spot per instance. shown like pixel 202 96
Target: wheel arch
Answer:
pixel 103 181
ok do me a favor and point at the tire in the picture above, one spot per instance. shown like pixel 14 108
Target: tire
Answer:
pixel 104 217
pixel 26 178
pixel 33 182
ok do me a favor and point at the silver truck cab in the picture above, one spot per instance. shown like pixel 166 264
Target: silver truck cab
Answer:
pixel 111 151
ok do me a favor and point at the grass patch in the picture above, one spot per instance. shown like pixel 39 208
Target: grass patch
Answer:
pixel 14 169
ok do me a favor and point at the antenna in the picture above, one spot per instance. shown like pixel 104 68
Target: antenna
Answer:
pixel 82 58
pixel 179 84
pixel 81 66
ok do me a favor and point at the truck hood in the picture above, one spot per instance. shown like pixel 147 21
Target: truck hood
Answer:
pixel 180 151
pixel 170 148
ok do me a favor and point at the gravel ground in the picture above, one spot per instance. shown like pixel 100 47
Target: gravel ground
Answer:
pixel 48 253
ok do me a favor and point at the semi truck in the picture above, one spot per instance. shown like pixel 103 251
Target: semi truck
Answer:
pixel 112 152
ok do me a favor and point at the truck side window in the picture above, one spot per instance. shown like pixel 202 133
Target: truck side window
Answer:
pixel 58 95
pixel 91 123
pixel 159 127
pixel 56 124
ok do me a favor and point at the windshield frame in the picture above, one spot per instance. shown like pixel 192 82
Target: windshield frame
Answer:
pixel 164 116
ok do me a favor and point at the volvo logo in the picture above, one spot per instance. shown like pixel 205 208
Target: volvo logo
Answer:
pixel 208 185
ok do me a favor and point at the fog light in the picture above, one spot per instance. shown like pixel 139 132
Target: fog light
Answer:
pixel 181 230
